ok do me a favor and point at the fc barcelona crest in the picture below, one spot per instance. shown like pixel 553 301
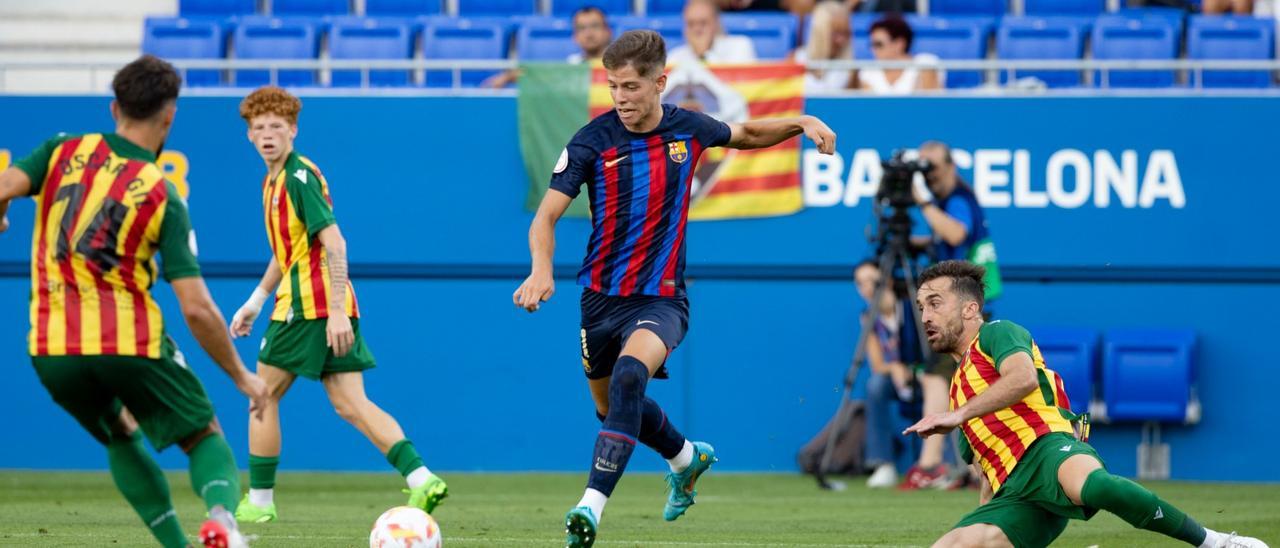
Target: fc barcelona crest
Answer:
pixel 677 151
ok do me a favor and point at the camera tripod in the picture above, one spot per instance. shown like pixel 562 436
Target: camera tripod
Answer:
pixel 894 255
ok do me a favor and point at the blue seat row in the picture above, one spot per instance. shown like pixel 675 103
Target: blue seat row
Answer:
pixel 412 8
pixel 538 38
pixel 1145 374
pixel 1144 34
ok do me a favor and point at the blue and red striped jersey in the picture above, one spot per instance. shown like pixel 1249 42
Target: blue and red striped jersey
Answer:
pixel 639 186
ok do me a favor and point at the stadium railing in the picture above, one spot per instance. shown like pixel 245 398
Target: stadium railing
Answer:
pixel 1189 80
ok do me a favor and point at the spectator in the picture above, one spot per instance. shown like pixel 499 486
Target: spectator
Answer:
pixel 882 6
pixel 830 38
pixel 889 380
pixel 891 41
pixel 1227 7
pixel 705 40
pixel 591 33
pixel 798 7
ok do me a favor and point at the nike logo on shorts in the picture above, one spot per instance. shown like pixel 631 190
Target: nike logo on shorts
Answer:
pixel 642 322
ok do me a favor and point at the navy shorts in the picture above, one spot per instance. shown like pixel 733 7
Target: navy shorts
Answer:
pixel 607 321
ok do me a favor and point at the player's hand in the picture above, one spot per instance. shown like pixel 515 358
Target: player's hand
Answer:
pixel 338 333
pixel 242 321
pixel 4 223
pixel 535 290
pixel 820 134
pixel 937 423
pixel 254 388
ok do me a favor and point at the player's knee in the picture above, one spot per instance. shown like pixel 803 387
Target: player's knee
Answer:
pixel 974 536
pixel 629 378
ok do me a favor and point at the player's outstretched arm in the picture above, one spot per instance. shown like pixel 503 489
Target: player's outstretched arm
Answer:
pixel 205 321
pixel 1017 379
pixel 771 131
pixel 541 284
pixel 242 320
pixel 339 332
pixel 14 183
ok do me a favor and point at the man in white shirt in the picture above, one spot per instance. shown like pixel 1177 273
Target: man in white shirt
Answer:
pixel 705 41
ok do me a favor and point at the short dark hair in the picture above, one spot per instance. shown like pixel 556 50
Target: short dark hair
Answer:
pixel 897 28
pixel 643 49
pixel 589 8
pixel 966 278
pixel 145 86
pixel 946 149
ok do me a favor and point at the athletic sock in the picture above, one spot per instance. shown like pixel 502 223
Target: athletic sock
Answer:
pixel 214 475
pixel 595 501
pixel 1139 507
pixel 658 432
pixel 142 483
pixel 682 459
pixel 617 438
pixel 262 497
pixel 262 474
pixel 417 478
pixel 405 458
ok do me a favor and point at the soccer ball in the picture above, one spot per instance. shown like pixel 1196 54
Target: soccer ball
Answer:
pixel 405 527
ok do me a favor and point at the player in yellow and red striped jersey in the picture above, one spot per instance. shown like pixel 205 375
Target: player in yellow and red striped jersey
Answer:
pixel 98 342
pixel 1012 412
pixel 315 326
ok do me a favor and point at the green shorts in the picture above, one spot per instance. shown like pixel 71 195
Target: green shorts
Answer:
pixel 1031 508
pixel 300 347
pixel 163 395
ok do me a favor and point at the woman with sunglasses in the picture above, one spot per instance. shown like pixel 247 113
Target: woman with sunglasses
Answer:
pixel 891 41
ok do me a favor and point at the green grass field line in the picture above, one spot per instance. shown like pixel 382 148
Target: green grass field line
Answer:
pixel 747 510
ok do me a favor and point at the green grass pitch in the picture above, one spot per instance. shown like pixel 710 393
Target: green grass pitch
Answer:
pixel 337 509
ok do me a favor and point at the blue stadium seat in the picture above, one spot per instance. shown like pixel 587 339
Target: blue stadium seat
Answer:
pixel 565 8
pixel 989 8
pixel 1071 353
pixel 774 34
pixel 273 38
pixel 309 8
pixel 1121 37
pixel 401 8
pixel 216 8
pixel 1149 375
pixel 665 7
pixel 1174 16
pixel 371 39
pixel 860 25
pixel 180 38
pixel 462 39
pixel 1064 7
pixel 1226 37
pixel 952 38
pixel 545 40
pixel 1041 38
pixel 469 8
pixel 671 27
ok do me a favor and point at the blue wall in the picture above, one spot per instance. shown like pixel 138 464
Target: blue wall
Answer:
pixel 429 193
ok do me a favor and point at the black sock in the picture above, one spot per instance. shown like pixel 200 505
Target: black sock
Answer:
pixel 617 438
pixel 656 431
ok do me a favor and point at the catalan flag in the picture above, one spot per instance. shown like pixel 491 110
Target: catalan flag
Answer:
pixel 555 100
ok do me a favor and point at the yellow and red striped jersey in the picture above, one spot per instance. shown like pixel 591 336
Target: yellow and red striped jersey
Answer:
pixel 296 207
pixel 998 440
pixel 103 212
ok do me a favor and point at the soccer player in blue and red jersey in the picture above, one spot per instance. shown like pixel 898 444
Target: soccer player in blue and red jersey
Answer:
pixel 638 162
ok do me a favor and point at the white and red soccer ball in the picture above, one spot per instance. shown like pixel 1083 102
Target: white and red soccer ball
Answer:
pixel 405 527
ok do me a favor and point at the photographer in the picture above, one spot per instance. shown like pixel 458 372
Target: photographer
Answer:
pixel 950 208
